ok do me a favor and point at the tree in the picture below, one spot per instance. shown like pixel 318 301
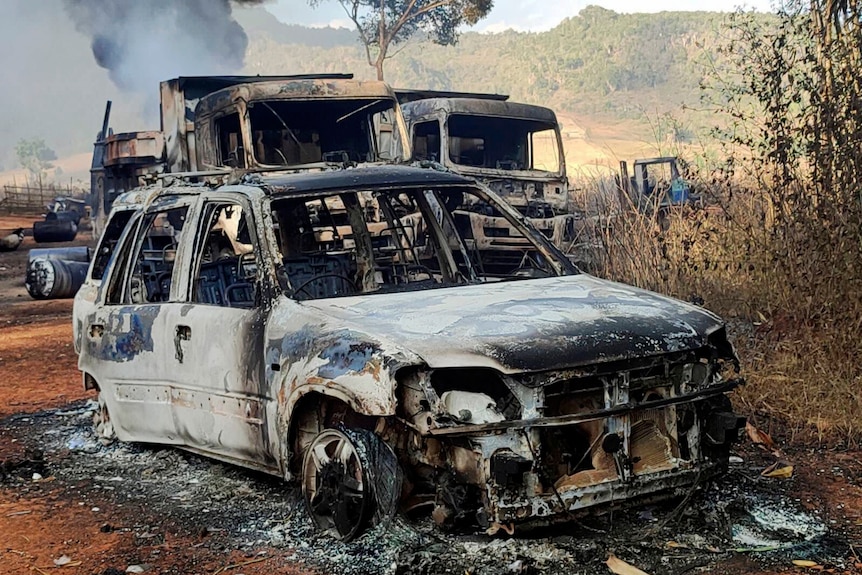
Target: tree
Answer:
pixel 383 24
pixel 35 156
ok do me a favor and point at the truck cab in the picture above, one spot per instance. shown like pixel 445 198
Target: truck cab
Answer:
pixel 212 126
pixel 515 149
pixel 656 184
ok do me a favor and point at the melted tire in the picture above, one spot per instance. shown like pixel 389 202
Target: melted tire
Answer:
pixel 333 480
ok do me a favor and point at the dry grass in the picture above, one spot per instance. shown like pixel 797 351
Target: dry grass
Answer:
pixel 789 284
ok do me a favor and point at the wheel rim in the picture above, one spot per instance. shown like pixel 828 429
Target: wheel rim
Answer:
pixel 337 494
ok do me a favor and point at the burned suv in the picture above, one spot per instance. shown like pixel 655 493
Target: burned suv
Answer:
pixel 335 328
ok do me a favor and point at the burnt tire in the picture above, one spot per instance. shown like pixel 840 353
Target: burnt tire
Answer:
pixel 102 424
pixel 350 481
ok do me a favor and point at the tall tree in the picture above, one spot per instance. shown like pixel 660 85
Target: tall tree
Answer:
pixel 383 24
pixel 35 156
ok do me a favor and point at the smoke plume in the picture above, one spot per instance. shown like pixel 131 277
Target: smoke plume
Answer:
pixel 141 42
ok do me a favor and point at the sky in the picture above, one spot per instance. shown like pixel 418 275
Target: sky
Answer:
pixel 522 15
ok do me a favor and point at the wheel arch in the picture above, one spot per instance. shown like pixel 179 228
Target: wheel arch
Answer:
pixel 314 410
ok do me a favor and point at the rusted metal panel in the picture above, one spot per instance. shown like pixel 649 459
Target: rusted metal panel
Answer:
pixel 134 147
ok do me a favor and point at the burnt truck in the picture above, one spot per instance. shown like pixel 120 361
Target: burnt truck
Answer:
pixel 655 185
pixel 215 126
pixel 282 322
pixel 515 149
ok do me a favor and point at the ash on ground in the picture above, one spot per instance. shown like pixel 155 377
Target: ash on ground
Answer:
pixel 165 490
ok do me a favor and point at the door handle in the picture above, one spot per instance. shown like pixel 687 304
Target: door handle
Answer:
pixel 96 330
pixel 183 333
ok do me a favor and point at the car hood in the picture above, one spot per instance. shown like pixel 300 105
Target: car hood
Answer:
pixel 529 325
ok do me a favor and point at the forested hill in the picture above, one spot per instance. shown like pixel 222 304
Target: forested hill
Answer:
pixel 598 62
pixel 600 70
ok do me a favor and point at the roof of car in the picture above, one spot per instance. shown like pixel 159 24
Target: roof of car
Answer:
pixel 362 178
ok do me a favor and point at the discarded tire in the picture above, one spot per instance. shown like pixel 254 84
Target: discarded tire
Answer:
pixel 54 231
pixel 49 278
pixel 72 216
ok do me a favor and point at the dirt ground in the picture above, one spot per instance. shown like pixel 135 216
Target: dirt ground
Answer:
pixel 70 505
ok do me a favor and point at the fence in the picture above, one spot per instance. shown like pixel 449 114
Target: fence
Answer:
pixel 32 197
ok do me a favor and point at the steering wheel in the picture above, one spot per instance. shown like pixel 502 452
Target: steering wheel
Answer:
pixel 347 280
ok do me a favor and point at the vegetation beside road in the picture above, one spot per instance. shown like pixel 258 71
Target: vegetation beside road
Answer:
pixel 780 248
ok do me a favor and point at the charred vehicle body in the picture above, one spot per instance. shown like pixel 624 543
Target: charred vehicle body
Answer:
pixel 286 323
pixel 515 149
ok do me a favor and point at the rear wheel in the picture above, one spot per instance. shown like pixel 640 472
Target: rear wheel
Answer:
pixel 350 479
pixel 102 423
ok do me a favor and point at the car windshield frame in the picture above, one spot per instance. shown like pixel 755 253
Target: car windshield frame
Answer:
pixel 307 136
pixel 487 134
pixel 451 249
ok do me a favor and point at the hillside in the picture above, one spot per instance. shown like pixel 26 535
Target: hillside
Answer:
pixel 623 70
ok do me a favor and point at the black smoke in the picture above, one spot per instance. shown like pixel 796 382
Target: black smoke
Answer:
pixel 141 42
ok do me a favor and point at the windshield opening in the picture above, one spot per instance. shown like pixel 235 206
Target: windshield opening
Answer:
pixel 399 240
pixel 295 132
pixel 503 143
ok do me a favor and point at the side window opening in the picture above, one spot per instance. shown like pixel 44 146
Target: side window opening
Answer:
pixel 318 246
pixel 544 151
pixel 108 243
pixel 426 141
pixel 227 267
pixel 231 152
pixel 116 280
pixel 153 265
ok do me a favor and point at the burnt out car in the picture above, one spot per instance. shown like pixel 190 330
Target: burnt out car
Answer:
pixel 335 328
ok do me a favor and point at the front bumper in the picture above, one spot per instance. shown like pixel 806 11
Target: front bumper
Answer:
pixel 578 500
pixel 491 233
pixel 651 450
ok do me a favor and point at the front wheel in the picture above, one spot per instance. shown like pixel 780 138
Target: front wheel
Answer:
pixel 350 478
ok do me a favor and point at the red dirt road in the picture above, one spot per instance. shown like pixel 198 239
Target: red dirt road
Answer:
pixel 38 525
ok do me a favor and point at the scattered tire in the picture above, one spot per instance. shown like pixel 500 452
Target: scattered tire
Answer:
pixel 49 278
pixel 54 230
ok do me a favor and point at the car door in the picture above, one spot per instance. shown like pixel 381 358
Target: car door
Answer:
pixel 216 367
pixel 119 225
pixel 125 343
